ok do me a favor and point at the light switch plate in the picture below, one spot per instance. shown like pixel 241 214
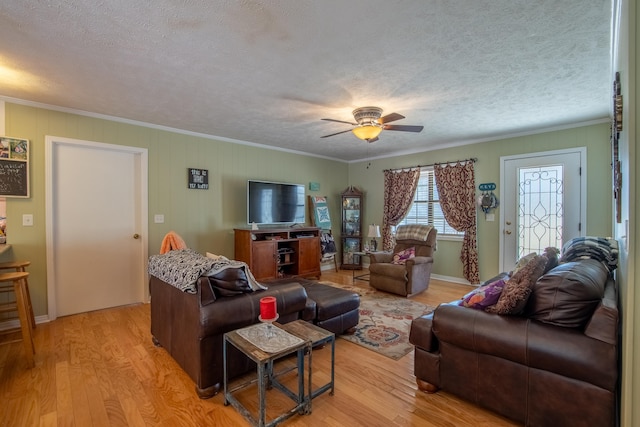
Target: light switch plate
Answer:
pixel 27 220
pixel 158 218
pixel 490 217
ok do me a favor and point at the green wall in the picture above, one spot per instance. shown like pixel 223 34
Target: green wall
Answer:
pixel 369 176
pixel 627 232
pixel 204 218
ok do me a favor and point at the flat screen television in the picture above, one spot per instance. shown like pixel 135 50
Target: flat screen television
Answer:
pixel 275 203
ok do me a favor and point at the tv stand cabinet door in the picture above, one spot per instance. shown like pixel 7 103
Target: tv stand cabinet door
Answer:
pixel 309 256
pixel 264 259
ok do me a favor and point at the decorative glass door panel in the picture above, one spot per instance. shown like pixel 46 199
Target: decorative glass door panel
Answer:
pixel 540 208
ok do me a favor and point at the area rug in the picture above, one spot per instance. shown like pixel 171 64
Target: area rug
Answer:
pixel 385 321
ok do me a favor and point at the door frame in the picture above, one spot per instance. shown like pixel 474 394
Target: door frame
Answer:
pixel 582 151
pixel 143 166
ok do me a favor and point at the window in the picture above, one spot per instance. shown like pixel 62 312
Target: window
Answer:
pixel 426 206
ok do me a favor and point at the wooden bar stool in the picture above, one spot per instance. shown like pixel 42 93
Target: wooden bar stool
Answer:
pixel 19 280
pixel 20 266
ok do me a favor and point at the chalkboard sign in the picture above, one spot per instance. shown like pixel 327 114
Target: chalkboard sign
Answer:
pixel 198 179
pixel 14 167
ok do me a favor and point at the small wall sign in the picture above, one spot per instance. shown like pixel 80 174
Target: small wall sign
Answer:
pixel 487 186
pixel 198 179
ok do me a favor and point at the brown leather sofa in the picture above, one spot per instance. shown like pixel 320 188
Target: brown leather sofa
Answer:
pixel 191 327
pixel 409 278
pixel 554 365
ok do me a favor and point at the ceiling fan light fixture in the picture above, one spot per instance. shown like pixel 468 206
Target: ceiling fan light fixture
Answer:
pixel 370 122
pixel 367 131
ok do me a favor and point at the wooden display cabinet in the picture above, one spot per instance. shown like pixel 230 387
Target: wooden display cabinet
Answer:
pixel 279 252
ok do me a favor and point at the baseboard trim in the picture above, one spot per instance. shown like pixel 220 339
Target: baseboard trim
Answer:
pixel 15 323
pixel 452 279
pixel 365 265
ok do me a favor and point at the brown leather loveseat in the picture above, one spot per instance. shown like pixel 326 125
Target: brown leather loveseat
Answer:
pixel 191 327
pixel 556 364
pixel 192 308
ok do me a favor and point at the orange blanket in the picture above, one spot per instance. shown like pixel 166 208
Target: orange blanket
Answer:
pixel 172 241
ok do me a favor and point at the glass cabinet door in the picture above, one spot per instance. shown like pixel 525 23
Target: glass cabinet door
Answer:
pixel 351 247
pixel 352 216
pixel 351 228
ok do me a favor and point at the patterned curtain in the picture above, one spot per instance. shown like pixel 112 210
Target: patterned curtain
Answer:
pixel 399 190
pixel 456 187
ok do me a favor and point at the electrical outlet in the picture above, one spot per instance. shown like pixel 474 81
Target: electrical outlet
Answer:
pixel 158 218
pixel 27 220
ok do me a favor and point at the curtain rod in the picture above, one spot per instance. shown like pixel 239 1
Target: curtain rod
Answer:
pixel 472 159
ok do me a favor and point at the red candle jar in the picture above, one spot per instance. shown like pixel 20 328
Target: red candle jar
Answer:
pixel 268 308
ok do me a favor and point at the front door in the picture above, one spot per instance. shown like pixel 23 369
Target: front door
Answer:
pixel 96 225
pixel 543 202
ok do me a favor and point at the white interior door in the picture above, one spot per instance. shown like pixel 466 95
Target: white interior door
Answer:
pixel 96 225
pixel 543 202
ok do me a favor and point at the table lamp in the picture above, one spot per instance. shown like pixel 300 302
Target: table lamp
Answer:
pixel 374 232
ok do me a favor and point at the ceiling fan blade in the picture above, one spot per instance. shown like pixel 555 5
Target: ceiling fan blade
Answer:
pixel 337 133
pixel 404 128
pixel 340 121
pixel 390 118
pixel 372 140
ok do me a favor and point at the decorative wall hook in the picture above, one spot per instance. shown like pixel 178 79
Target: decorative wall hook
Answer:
pixel 487 201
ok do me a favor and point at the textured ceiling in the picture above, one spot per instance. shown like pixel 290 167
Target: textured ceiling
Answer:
pixel 266 72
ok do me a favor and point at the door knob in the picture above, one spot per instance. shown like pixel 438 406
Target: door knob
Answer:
pixel 507 231
pixel 136 236
pixel 508 222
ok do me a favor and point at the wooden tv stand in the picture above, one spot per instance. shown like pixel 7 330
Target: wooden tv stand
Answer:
pixel 279 252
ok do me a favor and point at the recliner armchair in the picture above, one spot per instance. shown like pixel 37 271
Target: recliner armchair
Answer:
pixel 413 276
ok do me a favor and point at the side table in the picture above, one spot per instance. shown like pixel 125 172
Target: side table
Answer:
pixel 252 341
pixel 317 336
pixel 363 277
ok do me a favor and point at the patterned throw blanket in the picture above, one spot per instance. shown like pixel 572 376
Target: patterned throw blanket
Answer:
pixel 182 268
pixel 413 232
pixel 601 249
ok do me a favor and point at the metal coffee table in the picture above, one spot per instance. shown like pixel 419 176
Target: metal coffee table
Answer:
pixel 317 336
pixel 264 348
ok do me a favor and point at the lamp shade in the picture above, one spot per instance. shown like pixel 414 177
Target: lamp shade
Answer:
pixel 374 231
pixel 367 132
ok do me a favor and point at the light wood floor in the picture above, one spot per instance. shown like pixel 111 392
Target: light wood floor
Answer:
pixel 101 369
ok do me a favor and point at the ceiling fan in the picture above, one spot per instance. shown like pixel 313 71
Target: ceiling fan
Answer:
pixel 369 124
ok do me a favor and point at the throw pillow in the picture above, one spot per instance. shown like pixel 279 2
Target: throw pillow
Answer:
pixel 229 282
pixel 402 256
pixel 517 289
pixel 522 262
pixel 568 295
pixel 552 255
pixel 483 296
pixel 216 257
